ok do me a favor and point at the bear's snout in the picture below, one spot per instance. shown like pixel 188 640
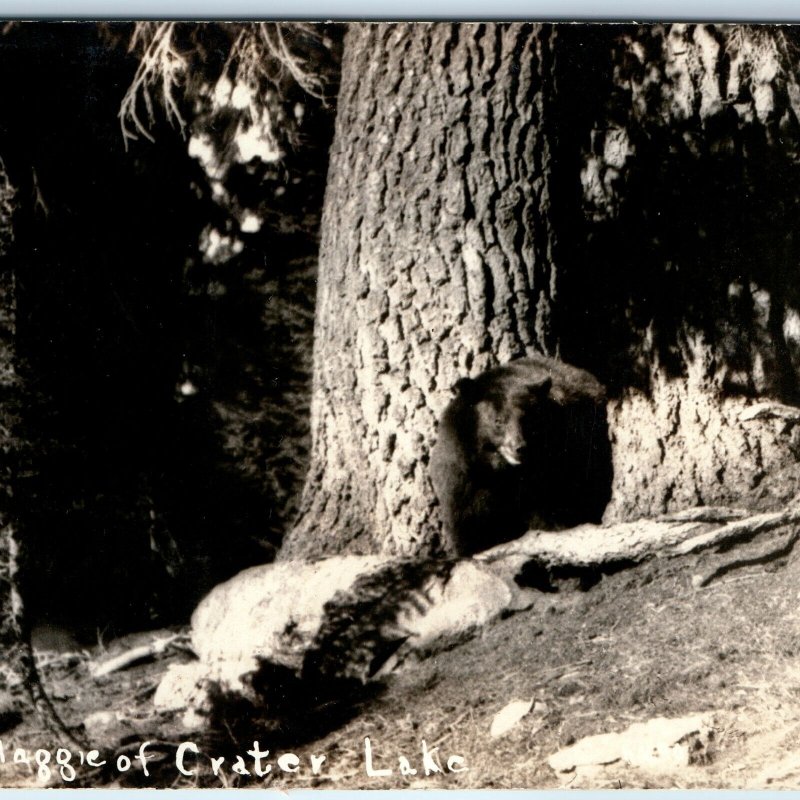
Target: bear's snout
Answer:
pixel 513 448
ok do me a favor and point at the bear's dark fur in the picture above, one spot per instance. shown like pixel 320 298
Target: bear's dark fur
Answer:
pixel 521 446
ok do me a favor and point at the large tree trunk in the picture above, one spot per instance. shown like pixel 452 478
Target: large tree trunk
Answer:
pixel 436 262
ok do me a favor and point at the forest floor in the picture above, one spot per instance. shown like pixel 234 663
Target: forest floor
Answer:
pixel 640 644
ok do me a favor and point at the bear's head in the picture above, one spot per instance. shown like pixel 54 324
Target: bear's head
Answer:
pixel 498 410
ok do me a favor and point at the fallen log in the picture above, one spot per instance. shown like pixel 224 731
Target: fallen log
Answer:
pixel 630 543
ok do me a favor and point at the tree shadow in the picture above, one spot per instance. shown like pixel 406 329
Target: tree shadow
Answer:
pixel 694 233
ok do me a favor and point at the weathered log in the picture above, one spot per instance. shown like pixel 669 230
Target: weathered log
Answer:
pixel 630 543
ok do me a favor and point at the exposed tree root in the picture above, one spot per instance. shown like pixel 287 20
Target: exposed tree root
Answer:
pixel 594 547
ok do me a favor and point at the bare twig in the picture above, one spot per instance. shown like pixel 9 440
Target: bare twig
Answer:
pixel 135 654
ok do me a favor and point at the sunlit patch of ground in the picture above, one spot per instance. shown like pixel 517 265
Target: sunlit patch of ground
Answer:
pixel 642 643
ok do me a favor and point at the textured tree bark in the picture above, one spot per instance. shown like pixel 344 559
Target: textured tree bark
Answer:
pixel 686 442
pixel 436 262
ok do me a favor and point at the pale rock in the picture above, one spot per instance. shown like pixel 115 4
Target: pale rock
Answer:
pixel 107 727
pixel 509 716
pixel 604 748
pixel 272 611
pixel 333 618
pixel 659 745
pixel 665 744
pixel 181 686
pixel 455 609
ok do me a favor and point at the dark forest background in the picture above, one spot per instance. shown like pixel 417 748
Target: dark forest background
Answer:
pixel 164 431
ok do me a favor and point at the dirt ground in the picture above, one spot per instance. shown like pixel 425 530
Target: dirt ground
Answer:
pixel 640 644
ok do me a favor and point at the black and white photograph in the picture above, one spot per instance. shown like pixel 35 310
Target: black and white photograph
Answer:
pixel 399 405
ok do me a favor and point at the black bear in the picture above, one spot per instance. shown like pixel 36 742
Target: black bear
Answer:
pixel 521 446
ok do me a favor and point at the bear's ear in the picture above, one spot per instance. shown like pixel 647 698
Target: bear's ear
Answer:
pixel 465 388
pixel 540 391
